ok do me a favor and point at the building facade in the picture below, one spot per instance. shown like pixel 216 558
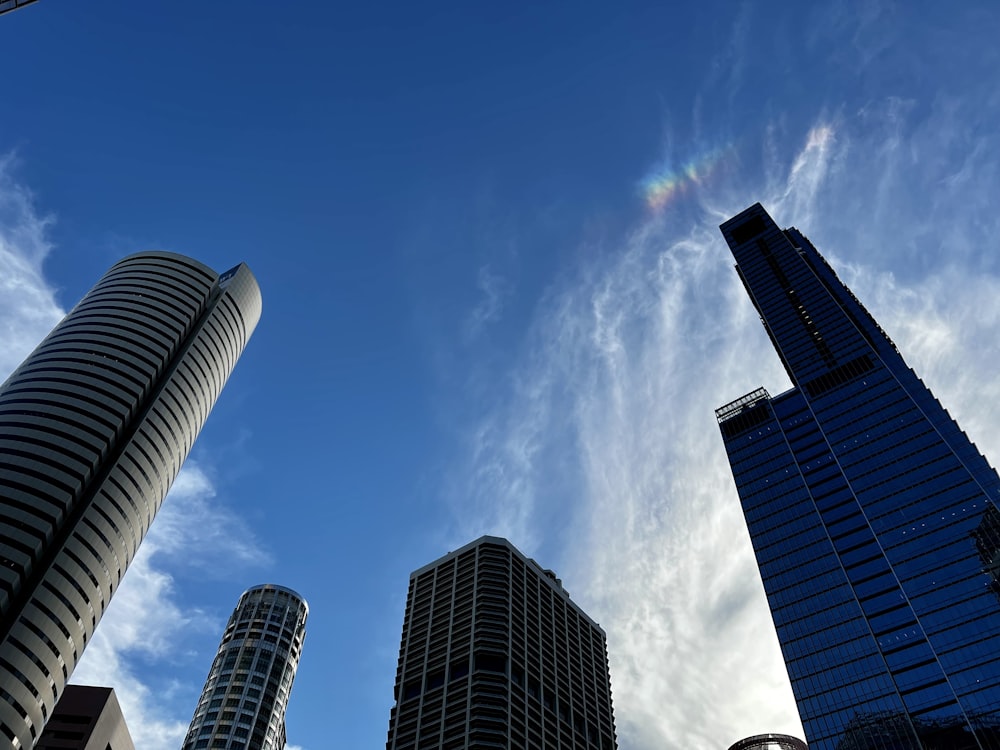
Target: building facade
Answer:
pixel 242 705
pixel 872 515
pixel 495 654
pixel 86 718
pixel 94 426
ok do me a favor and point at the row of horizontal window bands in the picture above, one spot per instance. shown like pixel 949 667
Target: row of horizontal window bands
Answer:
pixel 531 717
pixel 77 452
pixel 583 656
pixel 431 674
pixel 44 464
pixel 122 358
pixel 91 523
pixel 9 545
pixel 79 380
pixel 484 594
pixel 576 664
pixel 836 497
pixel 159 319
pixel 518 716
pixel 883 404
pixel 941 478
pixel 159 316
pixel 152 332
pixel 131 383
pixel 856 444
pixel 485 731
pixel 493 665
pixel 278 619
pixel 180 267
pixel 894 461
pixel 498 599
pixel 285 639
pixel 31 660
pixel 158 278
pixel 517 720
pixel 881 599
pixel 161 331
pixel 164 287
pixel 22 705
pixel 122 345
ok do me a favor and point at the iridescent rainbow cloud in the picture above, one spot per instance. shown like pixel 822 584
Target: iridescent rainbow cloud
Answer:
pixel 661 187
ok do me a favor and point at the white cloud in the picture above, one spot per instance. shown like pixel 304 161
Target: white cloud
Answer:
pixel 28 308
pixel 605 437
pixel 143 617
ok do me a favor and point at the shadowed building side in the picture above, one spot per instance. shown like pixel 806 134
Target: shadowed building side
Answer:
pixel 245 696
pixel 86 718
pixel 94 426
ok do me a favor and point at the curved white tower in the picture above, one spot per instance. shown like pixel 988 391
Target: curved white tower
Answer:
pixel 94 426
pixel 243 702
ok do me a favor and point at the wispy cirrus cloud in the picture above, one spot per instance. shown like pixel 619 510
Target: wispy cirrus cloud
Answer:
pixel 494 290
pixel 28 306
pixel 602 454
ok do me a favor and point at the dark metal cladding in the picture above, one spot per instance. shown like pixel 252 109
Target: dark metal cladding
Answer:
pixel 872 515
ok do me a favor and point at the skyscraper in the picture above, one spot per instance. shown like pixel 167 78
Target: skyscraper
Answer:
pixel 243 702
pixel 94 426
pixel 86 718
pixel 872 516
pixel 495 654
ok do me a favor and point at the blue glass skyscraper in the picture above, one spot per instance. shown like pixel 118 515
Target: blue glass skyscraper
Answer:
pixel 872 515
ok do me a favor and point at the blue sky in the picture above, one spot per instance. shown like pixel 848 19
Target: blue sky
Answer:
pixel 495 301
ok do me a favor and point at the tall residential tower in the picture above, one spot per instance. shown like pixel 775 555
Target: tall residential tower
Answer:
pixel 495 654
pixel 94 426
pixel 245 696
pixel 872 516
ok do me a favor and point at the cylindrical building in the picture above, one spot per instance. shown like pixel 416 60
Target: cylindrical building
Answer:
pixel 769 742
pixel 94 426
pixel 245 696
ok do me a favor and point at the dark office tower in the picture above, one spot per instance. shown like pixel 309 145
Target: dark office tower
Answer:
pixel 243 703
pixel 86 718
pixel 495 654
pixel 769 742
pixel 94 426
pixel 872 516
